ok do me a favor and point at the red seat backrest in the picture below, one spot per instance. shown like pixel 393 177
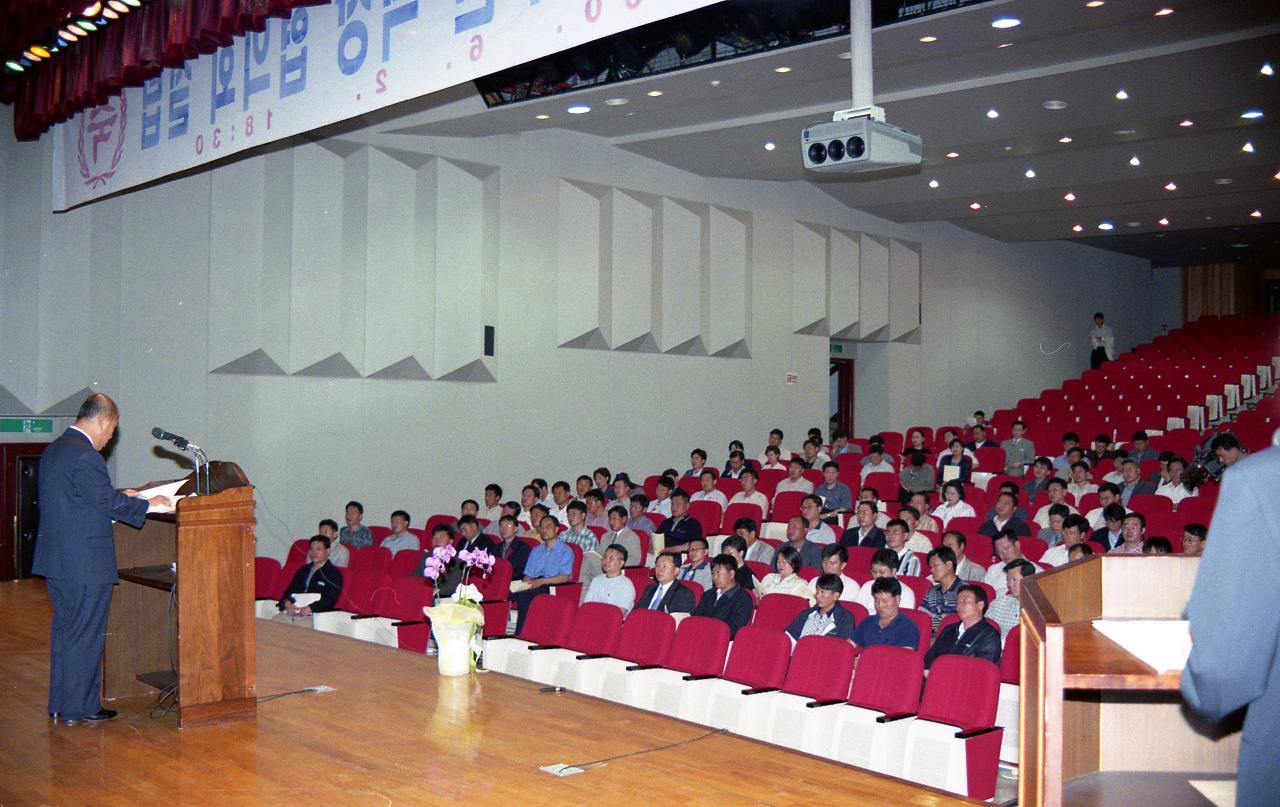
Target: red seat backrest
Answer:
pixel 739 510
pixel 640 578
pixel 759 658
pixel 372 559
pixel 759 569
pixel 855 609
pixel 549 620
pixel 962 691
pixel 924 624
pixel 689 484
pixel 378 533
pixel 885 484
pixel 595 629
pixel 1033 548
pixel 785 505
pixel 888 679
pixel 990 459
pixel 729 487
pixel 859 565
pixel 433 521
pixel 496 584
pixel 266 578
pixel 406 599
pixel 708 515
pixel 646 637
pixel 700 646
pixel 1148 503
pixel 821 668
pixel 776 611
pixel 1010 657
pixel 919 585
pixel 769 479
pixel 405 562
pixel 978 548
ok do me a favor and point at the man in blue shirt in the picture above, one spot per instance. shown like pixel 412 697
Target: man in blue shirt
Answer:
pixel 887 625
pixel 836 496
pixel 828 617
pixel 549 565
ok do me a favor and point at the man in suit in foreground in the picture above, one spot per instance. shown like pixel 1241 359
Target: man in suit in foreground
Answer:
pixel 75 552
pixel 972 635
pixel 727 601
pixel 670 594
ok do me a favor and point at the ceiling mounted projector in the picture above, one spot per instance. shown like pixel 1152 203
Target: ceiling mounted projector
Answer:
pixel 858 144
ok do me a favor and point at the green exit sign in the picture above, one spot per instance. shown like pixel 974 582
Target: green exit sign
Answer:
pixel 27 425
pixel 837 348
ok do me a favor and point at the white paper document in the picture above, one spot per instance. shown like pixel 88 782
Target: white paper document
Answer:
pixel 169 490
pixel 1163 644
pixel 303 600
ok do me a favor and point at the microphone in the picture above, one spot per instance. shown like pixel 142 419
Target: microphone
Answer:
pixel 161 434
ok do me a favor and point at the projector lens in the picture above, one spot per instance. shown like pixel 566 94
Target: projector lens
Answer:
pixel 817 153
pixel 836 150
pixel 856 147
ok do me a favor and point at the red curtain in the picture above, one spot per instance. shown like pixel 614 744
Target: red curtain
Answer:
pixel 163 33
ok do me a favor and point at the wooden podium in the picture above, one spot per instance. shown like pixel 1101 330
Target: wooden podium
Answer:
pixel 1097 725
pixel 183 612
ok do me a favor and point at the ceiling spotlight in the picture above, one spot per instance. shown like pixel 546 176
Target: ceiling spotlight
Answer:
pixel 847 55
pixel 976 206
pixel 1170 186
pixel 1094 4
pixel 1005 22
pixel 1240 245
pixel 1064 139
pixel 542 116
pixel 67 35
pixel 616 102
pixel 110 14
pixel 1029 174
pixel 1277 176
pixel 1005 45
pixel 1164 12
pixel 992 113
pixel 1076 228
pixel 92 9
pixel 1123 132
pixel 1223 181
pixel 1267 70
pixel 1054 104
pixel 770 146
pixel 578 109
pixel 1187 123
pixel 658 93
pixel 1070 197
pixel 133 3
pixel 1106 225
pixel 1257 214
pixel 1163 222
pixel 933 183
pixel 1134 161
pixel 928 39
pixel 31 57
pixel 715 82
pixel 951 155
pixel 120 7
pixel 1121 95
pixel 85 24
pixel 1251 114
pixel 76 29
pixel 1133 224
pixel 782 69
pixel 41 52
pixel 1247 148
pixel 14 66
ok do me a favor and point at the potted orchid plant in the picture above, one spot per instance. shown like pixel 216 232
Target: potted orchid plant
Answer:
pixel 454 619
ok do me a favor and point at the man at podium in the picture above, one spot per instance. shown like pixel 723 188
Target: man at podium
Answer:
pixel 75 552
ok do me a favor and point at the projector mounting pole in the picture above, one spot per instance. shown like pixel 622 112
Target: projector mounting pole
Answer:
pixel 860 65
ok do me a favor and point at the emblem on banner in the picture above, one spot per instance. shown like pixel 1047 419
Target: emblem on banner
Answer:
pixel 101 141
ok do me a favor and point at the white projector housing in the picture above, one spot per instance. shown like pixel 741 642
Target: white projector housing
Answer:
pixel 858 144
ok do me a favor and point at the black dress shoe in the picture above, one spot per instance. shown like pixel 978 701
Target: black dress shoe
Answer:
pixel 102 714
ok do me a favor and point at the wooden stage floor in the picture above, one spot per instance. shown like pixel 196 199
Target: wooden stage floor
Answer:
pixel 394 732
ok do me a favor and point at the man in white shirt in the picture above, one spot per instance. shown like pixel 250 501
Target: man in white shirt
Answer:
pixel 1057 492
pixel 339 555
pixel 621 491
pixel 876 463
pixel 1075 528
pixel 883 564
pixel 750 495
pixel 915 541
pixel 544 492
pixel 819 531
pixel 895 538
pixel 1101 342
pixel 814 456
pixel 400 538
pixel 708 493
pixel 834 560
pixel 1079 485
pixel 870 495
pixel 596 515
pixel 662 504
pixel 492 510
pixel 1006 548
pixel 560 498
pixel 1108 493
pixel 612 586
pixel 775 441
pixel 528 498
pixel 795 479
pixel 1175 489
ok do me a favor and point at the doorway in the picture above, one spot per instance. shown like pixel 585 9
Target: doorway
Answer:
pixel 842 391
pixel 19 507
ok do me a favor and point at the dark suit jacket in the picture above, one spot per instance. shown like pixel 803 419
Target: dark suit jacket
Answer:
pixel 327 582
pixel 874 538
pixel 844 623
pixel 980 641
pixel 1016 524
pixel 988 443
pixel 682 533
pixel 77 504
pixel 734 608
pixel 1140 487
pixel 517 555
pixel 481 541
pixel 679 598
pixel 1103 536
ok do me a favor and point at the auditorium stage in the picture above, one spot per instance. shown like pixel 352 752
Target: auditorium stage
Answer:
pixel 394 732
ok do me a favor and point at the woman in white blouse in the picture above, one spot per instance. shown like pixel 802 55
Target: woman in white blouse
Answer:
pixel 785 580
pixel 953 504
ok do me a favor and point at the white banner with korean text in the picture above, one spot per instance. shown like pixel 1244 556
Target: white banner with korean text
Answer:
pixel 325 64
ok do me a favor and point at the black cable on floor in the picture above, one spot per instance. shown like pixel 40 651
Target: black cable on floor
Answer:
pixel 649 750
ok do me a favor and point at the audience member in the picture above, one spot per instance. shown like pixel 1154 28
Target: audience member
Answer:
pixel 1132 484
pixel 919 503
pixel 447 581
pixel 966 569
pixel 972 635
pixel 834 560
pixel 979 435
pixel 896 539
pixel 915 477
pixel 864 531
pixel 785 580
pixel 1117 462
pixel 1070 440
pixel 317 576
pixel 508 509
pixel 354 534
pixel 883 564
pixel 916 541
pixel 639 514
pixel 1100 451
pixel 794 480
pixel 840 444
pixel 736 548
pixel 544 492
pixel 1140 450
pixel 538 512
pixel 875 462
pixel 611 586
pixel 813 455
pixel 621 491
pixel 662 503
pixel 1227 448
pixel 578 532
pixel 757 551
pixel 819 531
pixel 528 498
pixel 1132 534
pixel 953 504
pixel 957 459
pixel 1057 493
pixel 679 528
pixel 916 445
pixel 772 459
pixel 1176 489
pixel 826 617
pixel 560 499
pixel 1109 536
pixel 1193 539
pixel 697 462
pixel 603 481
pixel 1041 473
pixel 1019 452
pixel 696 568
pixel 708 493
pixel 1078 485
pixel 1005 545
pixel 400 538
pixel 1011 487
pixel 550 564
pixel 736 465
pixel 666 593
pixel 775 442
pixel 1004 519
pixel 749 494
pixel 1157 545
pixel 869 494
pixel 338 554
pixel 1108 494
pixel 595 515
pixel 512 548
pixel 941 599
pixel 580 487
pixel 469 507
pixel 492 510
pixel 837 499
pixel 1074 529
pixel 1079 552
pixel 1004 611
pixel 887 625
pixel 797 538
pixel 1161 476
pixel 726 601
pixel 622 535
pixel 472 538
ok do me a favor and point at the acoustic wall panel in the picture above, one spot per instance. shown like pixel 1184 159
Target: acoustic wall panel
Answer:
pixel 842 282
pixel 578 254
pixel 275 308
pixel 319 314
pixel 26 165
pixel 904 288
pixel 64 306
pixel 237 227
pixel 630 271
pixel 683 236
pixel 809 278
pixel 465 214
pixel 725 311
pixel 873 286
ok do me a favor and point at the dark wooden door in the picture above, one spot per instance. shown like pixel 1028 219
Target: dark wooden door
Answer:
pixel 19 507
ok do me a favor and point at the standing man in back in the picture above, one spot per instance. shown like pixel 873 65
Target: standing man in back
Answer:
pixel 75 552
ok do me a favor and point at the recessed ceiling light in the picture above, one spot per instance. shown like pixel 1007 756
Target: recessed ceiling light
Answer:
pixel 14 66
pixel 1094 4
pixel 1170 186
pixel 1247 148
pixel 1005 22
pixel 1123 132
pixel 1133 224
pixel 770 146
pixel 616 102
pixel 1064 139
pixel 1121 95
pixel 1223 181
pixel 1239 246
pixel 976 206
pixel 1029 173
pixel 1008 148
pixel 1163 222
pixel 783 69
pixel 1208 218
pixel 657 93
pixel 1070 197
pixel 1076 228
pixel 1106 225
pixel 1187 123
pixel 1054 104
pixel 993 113
pixel 578 109
pixel 1164 12
pixel 933 183
pixel 30 56
pixel 542 116
pixel 1005 45
pixel 715 82
pixel 928 39
pixel 1257 214
pixel 1251 114
pixel 1267 69
pixel 846 55
pixel 1277 176
pixel 951 155
pixel 1134 161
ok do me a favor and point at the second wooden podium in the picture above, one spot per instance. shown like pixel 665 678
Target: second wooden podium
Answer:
pixel 182 615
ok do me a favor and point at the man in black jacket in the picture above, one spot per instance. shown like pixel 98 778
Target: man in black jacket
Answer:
pixel 727 601
pixel 319 576
pixel 864 531
pixel 972 635
pixel 670 594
